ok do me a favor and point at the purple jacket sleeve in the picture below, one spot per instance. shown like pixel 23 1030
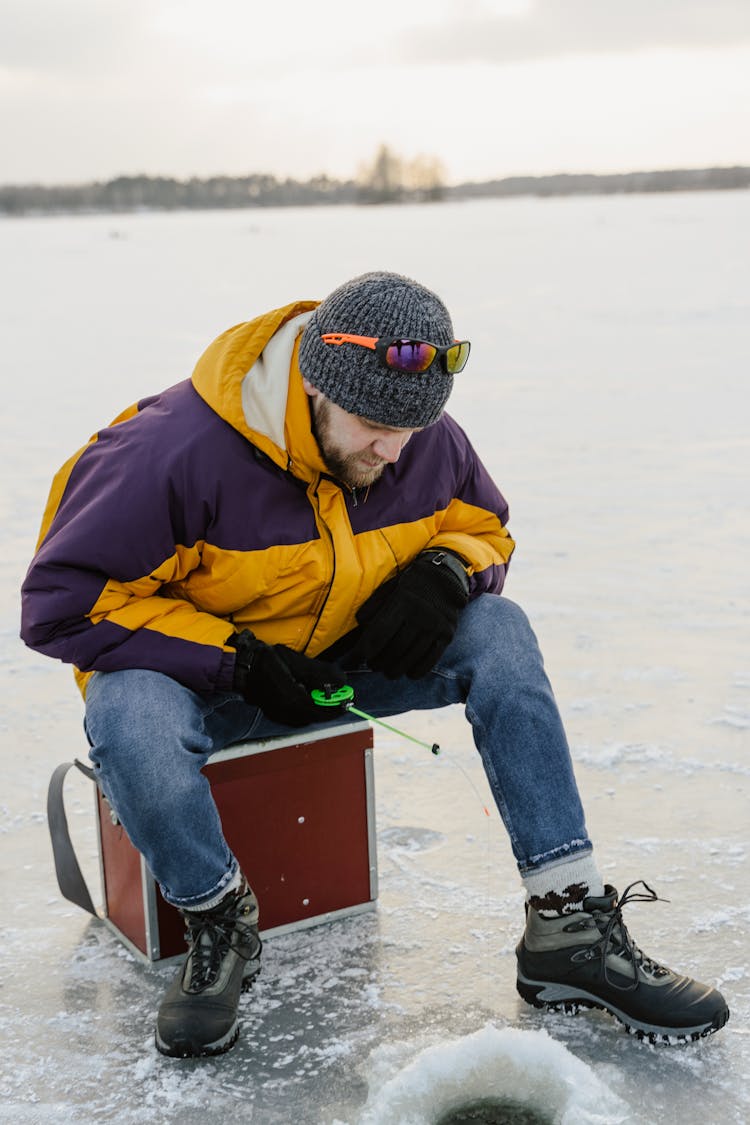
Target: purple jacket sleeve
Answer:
pixel 117 537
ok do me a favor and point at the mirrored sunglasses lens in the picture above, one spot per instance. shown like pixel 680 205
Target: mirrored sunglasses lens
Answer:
pixel 410 355
pixel 456 357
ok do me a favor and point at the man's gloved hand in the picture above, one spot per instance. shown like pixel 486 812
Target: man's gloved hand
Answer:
pixel 279 680
pixel 410 620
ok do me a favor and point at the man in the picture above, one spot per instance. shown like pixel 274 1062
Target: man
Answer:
pixel 300 515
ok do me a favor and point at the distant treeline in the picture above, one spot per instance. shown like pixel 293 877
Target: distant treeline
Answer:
pixel 581 183
pixel 387 180
pixel 160 193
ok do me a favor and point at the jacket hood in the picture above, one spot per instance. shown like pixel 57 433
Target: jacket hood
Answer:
pixel 250 377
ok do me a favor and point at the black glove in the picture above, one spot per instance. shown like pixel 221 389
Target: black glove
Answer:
pixel 410 620
pixel 279 680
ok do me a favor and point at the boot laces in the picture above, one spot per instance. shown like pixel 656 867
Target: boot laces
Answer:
pixel 210 938
pixel 616 934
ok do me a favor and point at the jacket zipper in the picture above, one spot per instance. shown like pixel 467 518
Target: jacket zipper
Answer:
pixel 322 527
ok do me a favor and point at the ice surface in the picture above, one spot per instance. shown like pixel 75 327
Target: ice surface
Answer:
pixel 608 395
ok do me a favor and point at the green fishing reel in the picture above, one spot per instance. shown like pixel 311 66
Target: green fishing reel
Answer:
pixel 329 698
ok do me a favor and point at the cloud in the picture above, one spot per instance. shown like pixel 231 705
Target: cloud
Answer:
pixel 75 37
pixel 551 28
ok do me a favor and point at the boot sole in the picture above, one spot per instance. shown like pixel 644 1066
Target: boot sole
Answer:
pixel 564 998
pixel 187 1049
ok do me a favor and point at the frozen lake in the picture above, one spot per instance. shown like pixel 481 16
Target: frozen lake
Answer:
pixel 608 395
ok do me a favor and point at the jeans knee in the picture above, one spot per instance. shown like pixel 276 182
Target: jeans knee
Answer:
pixel 137 714
pixel 493 617
pixel 496 639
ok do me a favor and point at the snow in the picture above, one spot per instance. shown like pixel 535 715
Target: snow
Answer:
pixel 501 1064
pixel 608 396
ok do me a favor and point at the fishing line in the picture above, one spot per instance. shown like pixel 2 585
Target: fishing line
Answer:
pixel 343 698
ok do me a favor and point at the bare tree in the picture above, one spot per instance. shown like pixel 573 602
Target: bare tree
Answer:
pixel 381 181
pixel 425 178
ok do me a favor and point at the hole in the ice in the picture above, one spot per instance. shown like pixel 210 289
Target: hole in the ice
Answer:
pixel 497 1076
pixel 493 1111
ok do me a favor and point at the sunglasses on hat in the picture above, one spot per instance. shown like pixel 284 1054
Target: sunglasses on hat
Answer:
pixel 407 355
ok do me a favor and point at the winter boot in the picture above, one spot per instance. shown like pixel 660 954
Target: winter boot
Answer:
pixel 198 1015
pixel 588 959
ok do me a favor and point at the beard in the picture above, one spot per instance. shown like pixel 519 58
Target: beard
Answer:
pixel 355 470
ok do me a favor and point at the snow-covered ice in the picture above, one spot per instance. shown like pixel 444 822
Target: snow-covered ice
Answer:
pixel 608 395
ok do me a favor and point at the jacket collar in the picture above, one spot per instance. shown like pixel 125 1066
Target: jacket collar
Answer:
pixel 250 377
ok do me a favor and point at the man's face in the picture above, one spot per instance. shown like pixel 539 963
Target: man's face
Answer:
pixel 354 449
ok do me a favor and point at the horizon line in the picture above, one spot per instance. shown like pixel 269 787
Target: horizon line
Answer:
pixel 285 178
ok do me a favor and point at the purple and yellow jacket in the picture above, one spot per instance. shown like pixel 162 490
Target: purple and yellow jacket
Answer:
pixel 207 509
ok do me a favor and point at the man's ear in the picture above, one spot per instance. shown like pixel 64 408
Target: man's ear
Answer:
pixel 310 390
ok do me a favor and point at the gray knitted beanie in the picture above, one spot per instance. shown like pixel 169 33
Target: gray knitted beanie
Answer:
pixel 386 305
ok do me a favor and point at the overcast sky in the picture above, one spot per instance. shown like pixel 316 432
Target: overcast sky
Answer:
pixel 90 89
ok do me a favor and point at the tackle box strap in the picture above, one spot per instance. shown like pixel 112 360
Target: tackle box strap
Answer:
pixel 69 878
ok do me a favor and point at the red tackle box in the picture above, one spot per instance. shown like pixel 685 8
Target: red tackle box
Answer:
pixel 299 814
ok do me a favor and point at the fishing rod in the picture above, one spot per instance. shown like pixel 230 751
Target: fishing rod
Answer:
pixel 343 698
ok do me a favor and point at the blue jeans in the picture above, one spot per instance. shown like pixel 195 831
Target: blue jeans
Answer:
pixel 150 737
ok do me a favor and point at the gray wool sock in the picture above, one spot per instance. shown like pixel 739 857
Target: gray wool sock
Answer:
pixel 560 888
